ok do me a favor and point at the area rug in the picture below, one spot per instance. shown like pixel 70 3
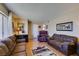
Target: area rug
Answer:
pixel 42 51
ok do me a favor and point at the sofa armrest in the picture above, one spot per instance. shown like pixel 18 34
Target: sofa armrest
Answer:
pixel 50 38
pixel 68 48
pixel 67 45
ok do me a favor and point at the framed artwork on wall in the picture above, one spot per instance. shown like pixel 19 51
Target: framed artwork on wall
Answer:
pixel 67 26
pixel 39 26
pixel 21 27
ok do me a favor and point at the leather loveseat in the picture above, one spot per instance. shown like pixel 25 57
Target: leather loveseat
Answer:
pixel 10 47
pixel 64 43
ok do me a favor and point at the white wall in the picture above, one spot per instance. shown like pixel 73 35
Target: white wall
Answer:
pixel 26 26
pixel 35 30
pixel 72 15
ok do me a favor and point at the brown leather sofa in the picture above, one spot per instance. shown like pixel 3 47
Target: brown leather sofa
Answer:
pixel 10 47
pixel 64 43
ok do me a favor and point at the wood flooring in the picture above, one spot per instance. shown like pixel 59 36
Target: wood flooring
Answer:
pixel 34 43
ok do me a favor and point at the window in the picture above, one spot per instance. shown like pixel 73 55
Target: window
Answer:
pixel 5 26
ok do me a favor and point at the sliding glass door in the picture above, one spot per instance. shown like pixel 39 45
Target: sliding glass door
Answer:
pixel 5 26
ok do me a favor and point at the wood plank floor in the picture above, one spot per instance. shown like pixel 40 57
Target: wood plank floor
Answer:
pixel 34 43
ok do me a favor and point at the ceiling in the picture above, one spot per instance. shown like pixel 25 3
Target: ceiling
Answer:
pixel 40 12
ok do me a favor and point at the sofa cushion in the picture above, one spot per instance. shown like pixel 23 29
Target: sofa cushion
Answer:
pixel 22 43
pixel 69 38
pixel 57 37
pixel 3 49
pixel 19 49
pixel 19 54
pixel 53 42
pixel 50 41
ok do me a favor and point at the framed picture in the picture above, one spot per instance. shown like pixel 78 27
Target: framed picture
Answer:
pixel 21 27
pixel 39 26
pixel 67 26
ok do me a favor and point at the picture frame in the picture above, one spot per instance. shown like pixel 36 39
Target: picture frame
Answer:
pixel 21 27
pixel 67 26
pixel 39 26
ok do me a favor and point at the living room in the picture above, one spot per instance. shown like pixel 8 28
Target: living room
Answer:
pixel 43 29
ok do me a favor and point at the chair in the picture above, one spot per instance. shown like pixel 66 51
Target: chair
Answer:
pixel 43 36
